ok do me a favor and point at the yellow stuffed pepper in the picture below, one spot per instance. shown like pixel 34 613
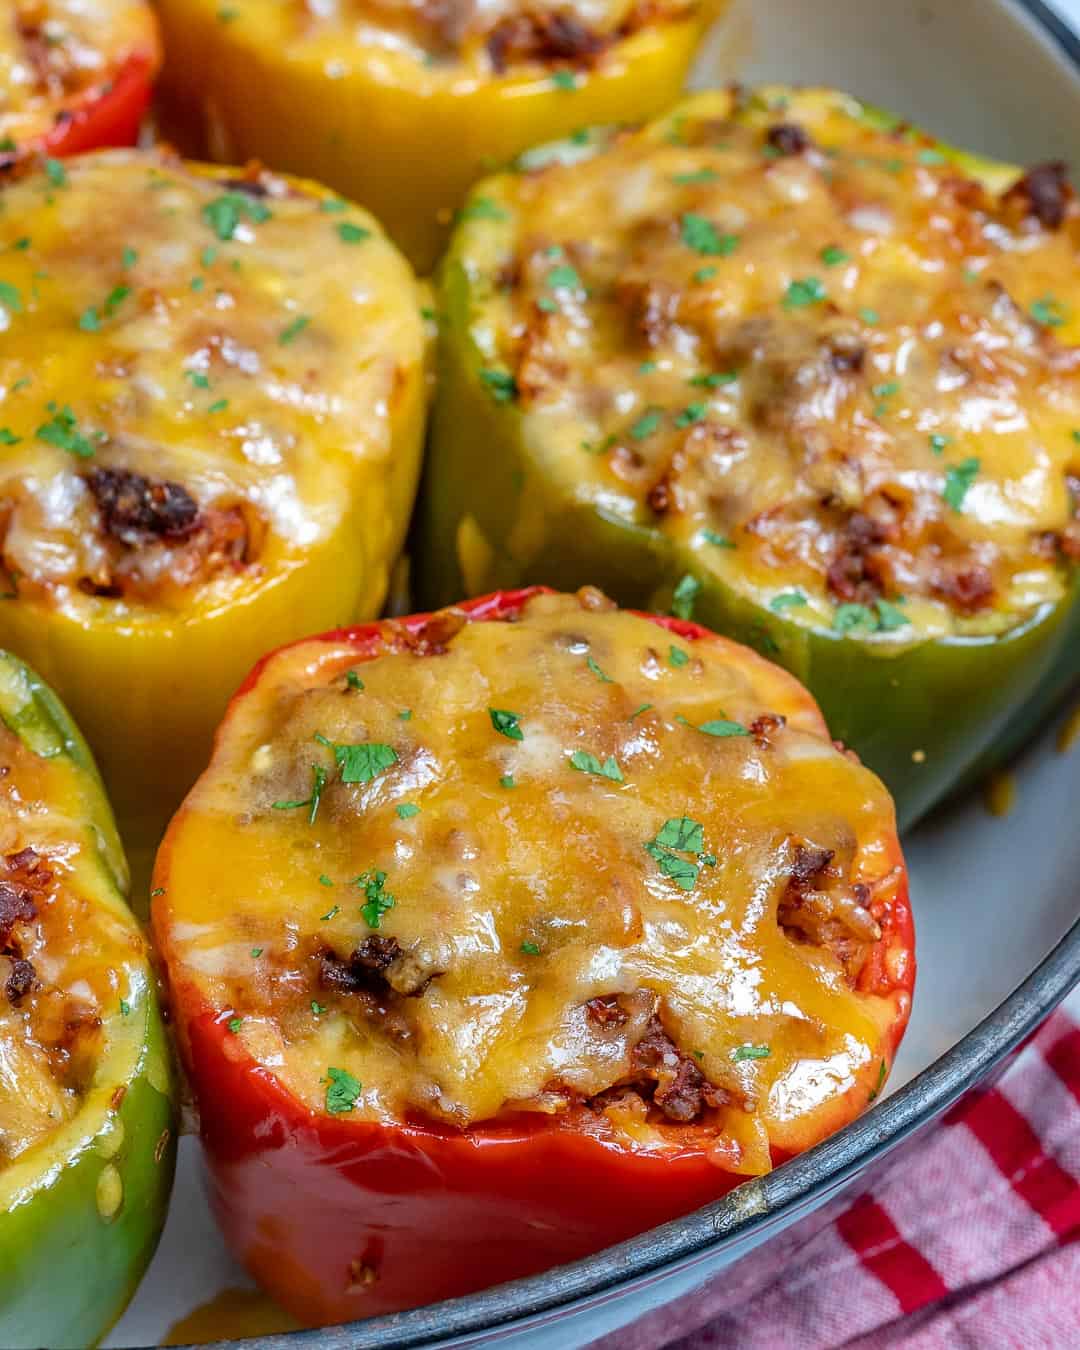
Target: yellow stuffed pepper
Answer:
pixel 402 104
pixel 213 395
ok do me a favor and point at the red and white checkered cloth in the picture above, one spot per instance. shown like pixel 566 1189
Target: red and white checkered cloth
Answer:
pixel 969 1241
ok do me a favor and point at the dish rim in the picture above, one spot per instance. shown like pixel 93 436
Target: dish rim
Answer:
pixel 755 1206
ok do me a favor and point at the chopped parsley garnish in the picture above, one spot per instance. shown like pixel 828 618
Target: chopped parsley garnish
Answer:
pixel 698 176
pixel 717 727
pixel 717 540
pixel 564 79
pixel 501 385
pixel 742 1052
pixel 958 479
pixel 880 1083
pixel 8 437
pixel 63 432
pixel 481 208
pixel 506 723
pixel 938 443
pixel 342 1091
pixel 563 278
pixel 685 593
pixel 714 379
pixel 646 424
pixel 870 317
pixel 704 274
pixel 890 617
pixel 333 206
pixel 638 711
pixel 530 948
pixel 353 680
pixel 604 679
pixel 702 236
pixel 224 213
pixel 294 329
pixel 507 781
pixel 849 617
pixel 677 656
pixel 125 1008
pixel 330 913
pixel 833 256
pixel 405 715
pixel 406 810
pixel 256 951
pixel 807 291
pixel 324 880
pixel 56 173
pixel 318 1008
pixel 349 233
pixel 318 783
pixel 361 762
pixel 787 600
pixel 235 1023
pixel 680 834
pixel 219 406
pixel 10 297
pixel 585 762
pixel 1049 311
pixel 378 899
pixel 693 412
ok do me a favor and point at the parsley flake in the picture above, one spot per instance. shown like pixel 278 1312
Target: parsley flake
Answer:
pixel 849 617
pixel 958 479
pixel 500 384
pixel 10 298
pixel 378 899
pixel 318 783
pixel 833 256
pixel 342 1092
pixel 646 424
pixel 585 762
pixel 294 329
pixel 63 432
pixel 507 781
pixel 225 213
pixel 506 723
pixel 786 600
pixel 807 291
pixel 684 595
pixel 235 1023
pixel 604 679
pixel 645 707
pixel 349 233
pixel 1049 312
pixel 406 810
pixel 530 948
pixel 702 236
pixel 363 761
pixel 742 1052
pixel 677 656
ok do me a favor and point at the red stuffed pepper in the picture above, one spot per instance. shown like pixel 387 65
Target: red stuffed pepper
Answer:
pixel 75 75
pixel 499 935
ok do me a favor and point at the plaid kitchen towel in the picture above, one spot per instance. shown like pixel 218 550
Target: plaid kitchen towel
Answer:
pixel 969 1241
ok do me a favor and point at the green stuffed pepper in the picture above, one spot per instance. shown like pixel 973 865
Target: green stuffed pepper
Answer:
pixel 800 372
pixel 87 1135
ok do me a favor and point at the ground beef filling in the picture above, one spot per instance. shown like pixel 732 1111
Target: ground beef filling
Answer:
pixel 818 907
pixel 24 882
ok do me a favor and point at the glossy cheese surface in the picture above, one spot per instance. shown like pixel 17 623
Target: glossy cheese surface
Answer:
pixel 482 872
pixel 834 362
pixel 66 960
pixel 201 381
pixel 53 51
pixel 475 36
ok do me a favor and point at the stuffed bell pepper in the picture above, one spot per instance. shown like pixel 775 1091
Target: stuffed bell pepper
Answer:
pixel 210 430
pixel 74 75
pixel 499 935
pixel 796 370
pixel 402 104
pixel 87 1137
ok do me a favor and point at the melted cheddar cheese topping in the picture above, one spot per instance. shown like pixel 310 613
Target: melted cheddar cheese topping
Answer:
pixel 483 36
pixel 53 51
pixel 571 864
pixel 200 382
pixel 65 961
pixel 832 361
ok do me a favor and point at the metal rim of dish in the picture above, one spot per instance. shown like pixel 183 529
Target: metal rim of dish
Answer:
pixel 812 1176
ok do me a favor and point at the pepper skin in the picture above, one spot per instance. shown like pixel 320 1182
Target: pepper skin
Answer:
pixel 340 1217
pixel 81 1209
pixel 613 455
pixel 51 108
pixel 405 125
pixel 218 449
